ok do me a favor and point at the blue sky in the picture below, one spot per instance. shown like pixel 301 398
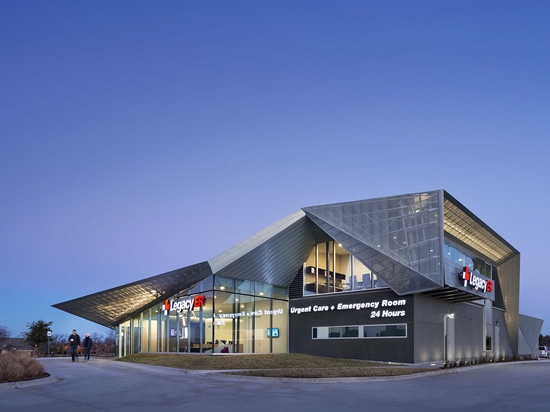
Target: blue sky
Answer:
pixel 138 137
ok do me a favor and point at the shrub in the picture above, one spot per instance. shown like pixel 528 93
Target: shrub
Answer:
pixel 16 367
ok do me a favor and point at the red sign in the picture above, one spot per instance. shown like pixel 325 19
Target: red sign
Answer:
pixel 475 281
pixel 185 304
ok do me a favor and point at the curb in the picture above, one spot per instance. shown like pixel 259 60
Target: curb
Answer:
pixel 27 384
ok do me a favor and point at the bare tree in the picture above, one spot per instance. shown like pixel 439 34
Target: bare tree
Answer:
pixel 57 344
pixel 4 333
pixel 110 343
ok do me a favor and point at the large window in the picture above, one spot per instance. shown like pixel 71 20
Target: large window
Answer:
pixel 458 257
pixel 235 316
pixel 251 322
pixel 385 331
pixel 331 268
pixel 360 331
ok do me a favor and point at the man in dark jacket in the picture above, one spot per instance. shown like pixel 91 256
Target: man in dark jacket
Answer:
pixel 74 343
pixel 88 342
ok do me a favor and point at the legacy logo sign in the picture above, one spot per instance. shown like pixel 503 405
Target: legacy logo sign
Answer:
pixel 475 281
pixel 185 304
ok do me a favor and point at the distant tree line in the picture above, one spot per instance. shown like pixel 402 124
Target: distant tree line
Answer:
pixel 37 337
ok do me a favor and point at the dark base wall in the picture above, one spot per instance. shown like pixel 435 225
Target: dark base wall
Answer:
pixel 423 315
pixel 394 349
pixel 429 318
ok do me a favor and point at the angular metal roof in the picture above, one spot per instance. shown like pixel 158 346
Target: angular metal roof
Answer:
pixel 463 225
pixel 390 235
pixel 272 256
pixel 113 306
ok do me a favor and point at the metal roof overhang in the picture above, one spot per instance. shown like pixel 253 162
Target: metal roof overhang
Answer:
pixel 272 256
pixel 463 226
pixel 466 227
pixel 451 294
pixel 113 306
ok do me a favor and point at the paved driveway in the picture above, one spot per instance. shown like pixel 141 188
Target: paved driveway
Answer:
pixel 107 385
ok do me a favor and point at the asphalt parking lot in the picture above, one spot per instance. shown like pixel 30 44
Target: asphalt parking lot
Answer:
pixel 108 385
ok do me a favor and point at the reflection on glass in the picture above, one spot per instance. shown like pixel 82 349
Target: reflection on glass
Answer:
pixel 360 331
pixel 380 331
pixel 336 271
pixel 464 258
pixel 343 332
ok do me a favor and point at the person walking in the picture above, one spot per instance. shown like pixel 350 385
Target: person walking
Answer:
pixel 74 343
pixel 88 342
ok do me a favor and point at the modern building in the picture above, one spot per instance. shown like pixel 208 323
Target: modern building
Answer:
pixel 411 278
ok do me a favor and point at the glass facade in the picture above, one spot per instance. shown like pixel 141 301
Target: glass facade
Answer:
pixel 399 238
pixel 456 258
pixel 234 316
pixel 331 268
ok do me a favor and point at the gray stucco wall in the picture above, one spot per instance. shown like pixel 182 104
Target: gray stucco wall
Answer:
pixel 428 320
pixel 425 319
pixel 468 325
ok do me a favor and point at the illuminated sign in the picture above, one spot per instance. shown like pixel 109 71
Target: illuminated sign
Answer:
pixel 475 281
pixel 384 308
pixel 257 313
pixel 185 304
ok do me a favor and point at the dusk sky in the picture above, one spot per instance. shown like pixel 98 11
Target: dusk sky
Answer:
pixel 139 137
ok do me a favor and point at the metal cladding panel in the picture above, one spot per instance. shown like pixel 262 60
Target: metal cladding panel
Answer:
pixel 272 256
pixel 508 279
pixel 113 306
pixel 398 237
pixel 400 278
pixel 529 332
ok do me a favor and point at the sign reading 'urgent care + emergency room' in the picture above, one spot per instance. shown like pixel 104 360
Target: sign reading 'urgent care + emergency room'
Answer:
pixel 378 308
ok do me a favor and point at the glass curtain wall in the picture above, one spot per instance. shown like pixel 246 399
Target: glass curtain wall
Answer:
pixel 227 332
pixel 404 229
pixel 249 318
pixel 149 340
pixel 124 339
pixel 238 316
pixel 331 268
pixel 456 258
pixel 262 327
